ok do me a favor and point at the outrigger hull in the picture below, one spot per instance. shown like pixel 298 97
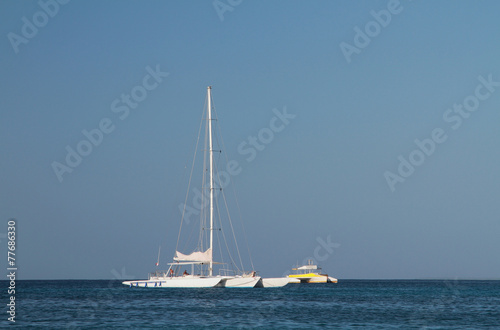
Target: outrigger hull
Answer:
pixel 241 282
pixel 275 282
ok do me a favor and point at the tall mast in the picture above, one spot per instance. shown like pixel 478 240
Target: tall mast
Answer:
pixel 210 152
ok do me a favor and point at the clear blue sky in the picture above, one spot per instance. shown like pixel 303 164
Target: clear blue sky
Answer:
pixel 323 177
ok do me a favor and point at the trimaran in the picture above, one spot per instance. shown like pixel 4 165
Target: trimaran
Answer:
pixel 202 262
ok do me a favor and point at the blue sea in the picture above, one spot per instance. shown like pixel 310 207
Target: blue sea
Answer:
pixel 371 304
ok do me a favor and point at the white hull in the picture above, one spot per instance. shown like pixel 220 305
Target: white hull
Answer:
pixel 319 279
pixel 276 282
pixel 241 282
pixel 332 279
pixel 176 282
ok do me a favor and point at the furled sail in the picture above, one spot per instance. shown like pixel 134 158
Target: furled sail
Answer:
pixel 195 256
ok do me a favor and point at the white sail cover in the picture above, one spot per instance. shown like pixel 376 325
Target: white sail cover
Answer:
pixel 195 256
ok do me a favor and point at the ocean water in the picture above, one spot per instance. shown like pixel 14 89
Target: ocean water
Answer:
pixel 371 304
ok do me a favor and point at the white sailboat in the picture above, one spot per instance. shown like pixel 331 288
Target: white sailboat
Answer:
pixel 202 261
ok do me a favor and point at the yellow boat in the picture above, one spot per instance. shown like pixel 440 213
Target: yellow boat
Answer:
pixel 310 273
